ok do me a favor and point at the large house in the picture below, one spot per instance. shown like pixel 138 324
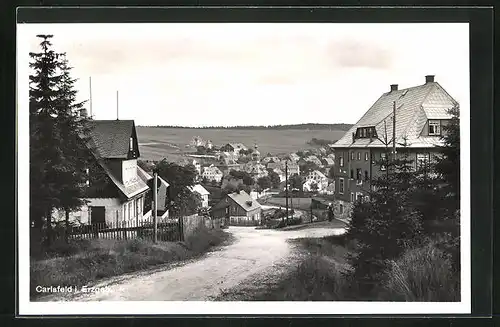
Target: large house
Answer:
pixel 238 208
pixel 317 178
pixel 115 191
pixel 212 173
pixel 421 112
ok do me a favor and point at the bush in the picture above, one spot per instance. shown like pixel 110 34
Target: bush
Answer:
pixel 423 274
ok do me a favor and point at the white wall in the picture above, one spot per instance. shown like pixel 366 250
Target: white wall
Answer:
pixel 129 171
pixel 114 210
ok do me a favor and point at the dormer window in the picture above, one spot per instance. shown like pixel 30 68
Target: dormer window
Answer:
pixel 365 132
pixel 131 144
pixel 434 127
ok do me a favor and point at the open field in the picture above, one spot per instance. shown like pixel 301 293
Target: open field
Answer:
pixel 158 143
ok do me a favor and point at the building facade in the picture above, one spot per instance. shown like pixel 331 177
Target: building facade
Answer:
pixel 420 113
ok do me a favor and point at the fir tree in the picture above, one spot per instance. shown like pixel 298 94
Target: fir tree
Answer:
pixel 74 131
pixel 58 155
pixel 45 148
pixel 385 225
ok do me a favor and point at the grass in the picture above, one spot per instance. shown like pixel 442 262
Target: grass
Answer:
pixel 423 275
pixel 98 259
pixel 318 277
pixel 296 203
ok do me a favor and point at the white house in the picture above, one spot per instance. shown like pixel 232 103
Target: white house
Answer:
pixel 204 194
pixel 115 193
pixel 212 173
pixel 318 178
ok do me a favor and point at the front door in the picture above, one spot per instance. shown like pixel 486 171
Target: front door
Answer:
pixel 97 215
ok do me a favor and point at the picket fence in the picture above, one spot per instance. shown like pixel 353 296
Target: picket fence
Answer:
pixel 168 230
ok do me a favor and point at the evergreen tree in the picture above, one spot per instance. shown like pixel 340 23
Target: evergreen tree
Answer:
pixel 74 131
pixel 46 151
pixel 385 225
pixel 57 149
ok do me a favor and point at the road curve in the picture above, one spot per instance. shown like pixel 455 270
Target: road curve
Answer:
pixel 253 252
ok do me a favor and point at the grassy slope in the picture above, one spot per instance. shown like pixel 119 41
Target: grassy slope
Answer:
pixel 171 142
pixel 106 258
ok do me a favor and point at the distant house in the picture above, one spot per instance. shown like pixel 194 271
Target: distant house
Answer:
pixel 115 191
pixel 234 148
pixel 281 174
pixel 238 209
pixel 322 151
pixel 212 173
pixel 314 159
pixel 318 178
pixel 294 157
pixel 204 194
pixel 267 160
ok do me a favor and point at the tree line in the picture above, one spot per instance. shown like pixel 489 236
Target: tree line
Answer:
pixel 335 127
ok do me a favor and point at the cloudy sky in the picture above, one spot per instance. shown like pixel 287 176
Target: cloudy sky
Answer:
pixel 253 74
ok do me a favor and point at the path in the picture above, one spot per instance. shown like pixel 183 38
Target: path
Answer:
pixel 253 252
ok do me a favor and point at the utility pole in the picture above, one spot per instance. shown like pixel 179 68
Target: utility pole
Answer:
pixel 155 206
pixel 117 105
pixel 286 189
pixel 90 95
pixel 394 130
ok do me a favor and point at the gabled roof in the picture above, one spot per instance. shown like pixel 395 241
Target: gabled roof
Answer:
pixel 136 187
pixel 414 106
pixel 110 139
pixel 243 200
pixel 199 189
pixel 317 172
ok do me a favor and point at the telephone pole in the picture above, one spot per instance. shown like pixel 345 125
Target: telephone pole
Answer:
pixel 90 96
pixel 155 206
pixel 394 130
pixel 117 105
pixel 286 189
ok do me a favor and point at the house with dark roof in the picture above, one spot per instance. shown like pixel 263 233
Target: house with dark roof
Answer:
pixel 234 148
pixel 420 113
pixel 115 190
pixel 238 208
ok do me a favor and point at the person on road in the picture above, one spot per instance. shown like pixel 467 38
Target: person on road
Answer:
pixel 330 212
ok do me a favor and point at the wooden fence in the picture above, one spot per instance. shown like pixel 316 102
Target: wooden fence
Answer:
pixel 168 230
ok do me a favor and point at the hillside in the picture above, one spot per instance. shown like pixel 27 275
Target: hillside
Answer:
pixel 309 126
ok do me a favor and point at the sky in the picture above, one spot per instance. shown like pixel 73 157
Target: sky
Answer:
pixel 194 74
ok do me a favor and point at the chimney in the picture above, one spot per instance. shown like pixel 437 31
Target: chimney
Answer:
pixel 394 87
pixel 429 79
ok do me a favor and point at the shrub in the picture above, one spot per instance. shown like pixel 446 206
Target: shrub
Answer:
pixel 422 274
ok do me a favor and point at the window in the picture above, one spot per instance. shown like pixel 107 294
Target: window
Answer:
pixel 131 144
pixel 341 161
pixel 366 175
pixel 434 127
pixel 359 196
pixel 341 185
pixel 341 208
pixel 352 197
pixel 383 158
pixel 366 156
pixel 358 174
pixel 359 156
pixel 352 156
pixel 422 160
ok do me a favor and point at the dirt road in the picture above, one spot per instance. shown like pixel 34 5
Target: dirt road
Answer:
pixel 254 252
